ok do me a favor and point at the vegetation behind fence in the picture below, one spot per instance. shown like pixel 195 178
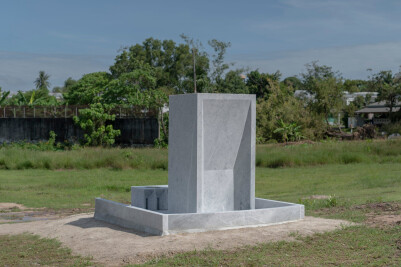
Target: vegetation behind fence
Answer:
pixel 70 111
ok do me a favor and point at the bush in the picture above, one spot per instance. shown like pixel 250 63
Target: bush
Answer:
pixel 93 121
pixel 392 128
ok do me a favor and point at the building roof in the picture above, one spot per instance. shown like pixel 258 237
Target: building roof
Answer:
pixel 378 107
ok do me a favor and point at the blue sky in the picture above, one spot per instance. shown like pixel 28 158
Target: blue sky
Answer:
pixel 71 38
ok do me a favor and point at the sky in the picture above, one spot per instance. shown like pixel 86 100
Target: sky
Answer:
pixel 70 38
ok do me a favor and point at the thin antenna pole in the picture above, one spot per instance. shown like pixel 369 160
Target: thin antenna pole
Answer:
pixel 193 56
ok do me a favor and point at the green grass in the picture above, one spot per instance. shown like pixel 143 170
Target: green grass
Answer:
pixel 350 184
pixel 85 158
pixel 331 152
pixel 31 250
pixel 271 156
pixel 352 173
pixel 71 189
pixel 352 246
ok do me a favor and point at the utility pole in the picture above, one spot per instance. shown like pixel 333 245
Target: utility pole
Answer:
pixel 193 57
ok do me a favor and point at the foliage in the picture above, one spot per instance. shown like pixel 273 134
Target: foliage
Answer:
pixel 294 82
pixel 260 83
pixel 358 103
pixel 289 132
pixel 32 98
pixel 219 66
pixel 93 121
pixel 282 106
pixel 89 89
pixel 68 84
pixel 389 88
pixel 42 82
pixel 172 63
pixel 3 97
pixel 326 87
pixel 133 88
pixel 392 128
pixel 353 86
pixel 233 83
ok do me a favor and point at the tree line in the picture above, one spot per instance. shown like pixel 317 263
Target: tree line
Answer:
pixel 145 74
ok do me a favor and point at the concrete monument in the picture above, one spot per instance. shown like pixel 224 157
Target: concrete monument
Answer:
pixel 211 173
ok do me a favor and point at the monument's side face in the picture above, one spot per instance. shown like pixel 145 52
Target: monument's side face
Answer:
pixel 211 153
pixel 183 154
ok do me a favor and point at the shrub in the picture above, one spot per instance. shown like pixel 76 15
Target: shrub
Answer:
pixel 93 121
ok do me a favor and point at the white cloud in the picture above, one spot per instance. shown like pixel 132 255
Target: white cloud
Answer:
pixel 19 70
pixel 351 61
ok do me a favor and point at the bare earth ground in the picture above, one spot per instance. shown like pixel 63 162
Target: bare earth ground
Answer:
pixel 113 246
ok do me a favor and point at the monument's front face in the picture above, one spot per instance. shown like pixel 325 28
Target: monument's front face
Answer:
pixel 211 153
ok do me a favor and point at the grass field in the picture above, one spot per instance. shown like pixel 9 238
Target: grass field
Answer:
pixel 350 173
pixel 30 250
pixel 353 246
pixel 348 184
pixel 270 156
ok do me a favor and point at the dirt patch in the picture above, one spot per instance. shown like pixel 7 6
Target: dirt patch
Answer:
pixel 8 207
pixel 382 215
pixel 114 246
pixel 14 213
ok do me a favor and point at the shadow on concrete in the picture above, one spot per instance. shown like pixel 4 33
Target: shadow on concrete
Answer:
pixel 87 223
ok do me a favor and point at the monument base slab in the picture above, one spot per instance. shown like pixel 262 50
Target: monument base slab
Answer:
pixel 266 212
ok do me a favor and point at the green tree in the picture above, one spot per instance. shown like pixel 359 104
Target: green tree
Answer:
pixel 132 88
pixel 326 87
pixel 68 84
pixel 3 97
pixel 355 85
pixel 260 83
pixel 42 82
pixel 93 121
pixel 89 89
pixel 355 105
pixel 172 63
pixel 389 88
pixel 219 66
pixel 294 82
pixel 233 83
pixel 281 106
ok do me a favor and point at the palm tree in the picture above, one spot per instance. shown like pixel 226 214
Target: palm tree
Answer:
pixel 42 82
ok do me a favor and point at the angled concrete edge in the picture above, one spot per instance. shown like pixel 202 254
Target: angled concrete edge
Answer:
pixel 267 212
pixel 130 217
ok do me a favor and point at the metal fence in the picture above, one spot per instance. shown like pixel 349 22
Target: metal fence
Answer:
pixel 71 111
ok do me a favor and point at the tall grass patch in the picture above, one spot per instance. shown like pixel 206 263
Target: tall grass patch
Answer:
pixel 268 156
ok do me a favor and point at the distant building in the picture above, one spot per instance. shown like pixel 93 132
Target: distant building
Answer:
pixel 377 113
pixel 348 97
pixel 58 96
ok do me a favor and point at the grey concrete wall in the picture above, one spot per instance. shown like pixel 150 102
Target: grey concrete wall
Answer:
pixel 267 212
pixel 133 131
pixel 211 153
pixel 130 217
